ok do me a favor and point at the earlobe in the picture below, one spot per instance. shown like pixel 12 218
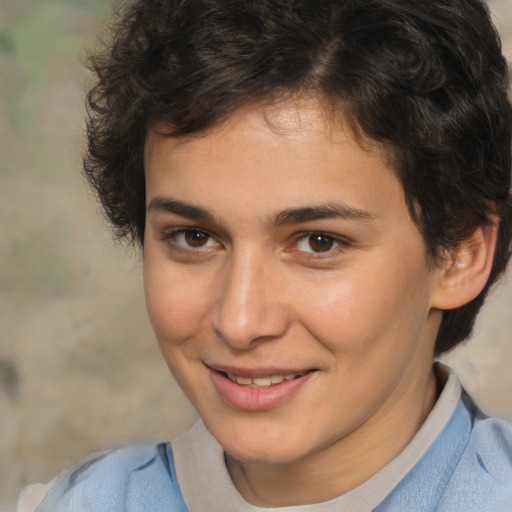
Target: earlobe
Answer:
pixel 467 268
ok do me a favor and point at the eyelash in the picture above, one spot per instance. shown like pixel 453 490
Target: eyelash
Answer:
pixel 338 244
pixel 171 238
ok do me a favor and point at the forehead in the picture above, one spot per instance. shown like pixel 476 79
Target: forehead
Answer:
pixel 277 157
pixel 287 116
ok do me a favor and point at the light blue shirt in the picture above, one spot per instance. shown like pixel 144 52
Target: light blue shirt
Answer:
pixel 467 467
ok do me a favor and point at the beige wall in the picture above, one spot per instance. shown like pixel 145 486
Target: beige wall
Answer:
pixel 79 368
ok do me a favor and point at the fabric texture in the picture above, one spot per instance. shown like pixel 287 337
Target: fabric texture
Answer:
pixel 459 460
pixel 131 479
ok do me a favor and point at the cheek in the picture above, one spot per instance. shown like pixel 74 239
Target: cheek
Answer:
pixel 366 310
pixel 175 303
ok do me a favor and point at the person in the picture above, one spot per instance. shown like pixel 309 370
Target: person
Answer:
pixel 321 193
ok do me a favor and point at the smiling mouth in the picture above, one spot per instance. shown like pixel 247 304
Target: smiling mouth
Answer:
pixel 259 389
pixel 262 382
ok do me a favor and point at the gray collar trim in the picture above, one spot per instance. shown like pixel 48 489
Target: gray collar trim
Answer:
pixel 206 485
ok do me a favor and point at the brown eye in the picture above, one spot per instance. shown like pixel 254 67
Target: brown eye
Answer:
pixel 191 241
pixel 319 242
pixel 196 238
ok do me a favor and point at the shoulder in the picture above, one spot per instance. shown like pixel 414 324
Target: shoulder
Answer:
pixel 134 477
pixel 490 445
pixel 482 479
pixel 468 464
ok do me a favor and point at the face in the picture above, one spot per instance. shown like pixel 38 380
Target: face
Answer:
pixel 287 284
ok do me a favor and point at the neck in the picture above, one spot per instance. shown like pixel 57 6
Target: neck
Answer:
pixel 342 465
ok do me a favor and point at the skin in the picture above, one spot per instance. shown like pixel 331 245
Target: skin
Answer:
pixel 236 282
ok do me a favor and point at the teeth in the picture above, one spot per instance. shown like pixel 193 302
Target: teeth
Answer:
pixel 262 382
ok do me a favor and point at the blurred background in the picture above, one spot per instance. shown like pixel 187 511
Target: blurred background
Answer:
pixel 79 367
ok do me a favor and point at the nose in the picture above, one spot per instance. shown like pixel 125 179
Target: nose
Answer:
pixel 250 306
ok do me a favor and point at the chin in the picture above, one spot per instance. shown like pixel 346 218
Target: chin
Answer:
pixel 264 457
pixel 253 448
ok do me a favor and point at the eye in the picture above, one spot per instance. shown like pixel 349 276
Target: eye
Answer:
pixel 318 243
pixel 191 238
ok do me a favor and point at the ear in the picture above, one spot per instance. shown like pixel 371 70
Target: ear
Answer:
pixel 467 268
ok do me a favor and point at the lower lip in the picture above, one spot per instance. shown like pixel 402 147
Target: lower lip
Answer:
pixel 257 399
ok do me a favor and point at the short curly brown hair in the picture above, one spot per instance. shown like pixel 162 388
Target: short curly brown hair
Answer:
pixel 426 79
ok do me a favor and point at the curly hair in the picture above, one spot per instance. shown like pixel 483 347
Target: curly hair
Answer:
pixel 426 79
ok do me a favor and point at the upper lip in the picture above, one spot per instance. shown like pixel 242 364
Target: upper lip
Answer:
pixel 256 372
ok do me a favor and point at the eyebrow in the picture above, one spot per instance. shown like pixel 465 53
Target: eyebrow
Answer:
pixel 181 208
pixel 288 216
pixel 323 211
